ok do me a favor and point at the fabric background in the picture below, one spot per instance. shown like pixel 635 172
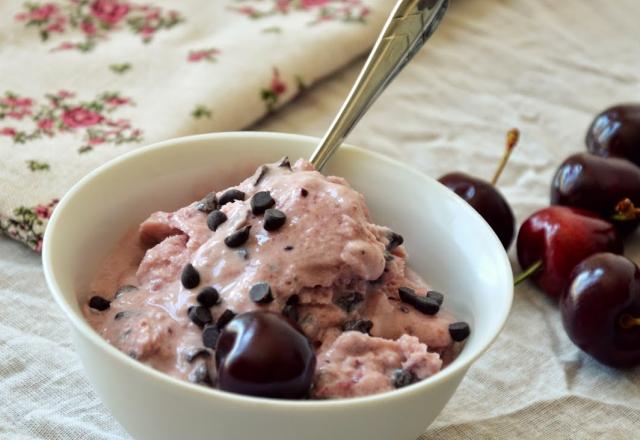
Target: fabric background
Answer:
pixel 545 67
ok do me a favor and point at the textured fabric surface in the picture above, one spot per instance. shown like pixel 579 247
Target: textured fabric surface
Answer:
pixel 84 81
pixel 545 67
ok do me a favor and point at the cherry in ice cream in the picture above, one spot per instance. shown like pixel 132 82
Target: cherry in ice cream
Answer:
pixel 616 133
pixel 263 354
pixel 485 198
pixel 552 241
pixel 601 309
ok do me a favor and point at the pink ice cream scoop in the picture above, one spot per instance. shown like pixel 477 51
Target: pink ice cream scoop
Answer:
pixel 290 241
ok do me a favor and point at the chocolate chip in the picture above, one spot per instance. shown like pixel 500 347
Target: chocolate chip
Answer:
pixel 208 297
pixel 99 303
pixel 193 353
pixel 215 219
pixel 238 238
pixel 284 163
pixel 290 310
pixel 402 378
pixel 190 277
pixel 120 315
pixel 274 219
pixel 210 335
pixel 261 201
pixel 230 195
pixel 261 293
pixel 200 315
pixel 304 192
pixel 436 295
pixel 208 203
pixel 288 248
pixel 262 171
pixel 225 318
pixel 358 325
pixel 424 304
pixel 124 289
pixel 459 331
pixel 395 240
pixel 349 301
pixel 200 374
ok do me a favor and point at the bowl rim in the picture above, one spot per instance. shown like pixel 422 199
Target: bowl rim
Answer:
pixel 82 326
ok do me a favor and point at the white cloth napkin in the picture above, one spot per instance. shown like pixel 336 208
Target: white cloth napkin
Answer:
pixel 84 81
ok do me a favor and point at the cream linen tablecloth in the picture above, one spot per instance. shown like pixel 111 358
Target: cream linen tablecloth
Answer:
pixel 543 66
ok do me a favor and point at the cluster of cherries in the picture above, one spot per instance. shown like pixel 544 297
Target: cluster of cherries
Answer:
pixel 573 248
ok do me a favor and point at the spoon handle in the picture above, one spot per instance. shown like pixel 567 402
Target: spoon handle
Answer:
pixel 409 25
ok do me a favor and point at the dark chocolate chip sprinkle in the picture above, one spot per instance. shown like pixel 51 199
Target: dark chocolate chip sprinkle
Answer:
pixel 349 301
pixel 274 219
pixel 288 248
pixel 261 201
pixel 200 374
pixel 210 335
pixel 200 315
pixel 208 203
pixel 208 297
pixel 423 304
pixel 459 331
pixel 304 192
pixel 395 240
pixel 124 289
pixel 225 318
pixel 190 277
pixel 358 325
pixel 402 378
pixel 262 171
pixel 238 238
pixel 230 195
pixel 436 295
pixel 120 315
pixel 284 163
pixel 99 303
pixel 193 353
pixel 290 309
pixel 215 219
pixel 261 293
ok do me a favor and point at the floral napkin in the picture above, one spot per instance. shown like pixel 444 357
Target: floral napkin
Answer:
pixel 84 81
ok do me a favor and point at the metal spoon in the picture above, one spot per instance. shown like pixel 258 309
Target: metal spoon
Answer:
pixel 408 27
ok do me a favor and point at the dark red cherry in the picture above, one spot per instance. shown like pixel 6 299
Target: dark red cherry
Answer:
pixel 263 354
pixel 485 198
pixel 597 184
pixel 555 239
pixel 601 309
pixel 616 133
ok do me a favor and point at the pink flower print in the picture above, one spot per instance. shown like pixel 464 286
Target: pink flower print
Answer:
pixel 147 32
pixel 19 114
pixel 80 117
pixel 203 54
pixel 65 94
pixel 46 125
pixel 43 12
pixel 38 246
pixel 311 3
pixel 96 141
pixel 282 5
pixel 58 25
pixel 8 131
pixel 43 211
pixel 277 85
pixel 67 45
pixel 88 28
pixel 117 100
pixel 109 11
pixel 14 101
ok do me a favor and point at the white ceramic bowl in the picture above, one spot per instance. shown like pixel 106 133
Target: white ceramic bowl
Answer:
pixel 449 245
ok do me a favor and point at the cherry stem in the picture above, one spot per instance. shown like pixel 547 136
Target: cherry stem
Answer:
pixel 512 140
pixel 626 211
pixel 535 267
pixel 627 321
